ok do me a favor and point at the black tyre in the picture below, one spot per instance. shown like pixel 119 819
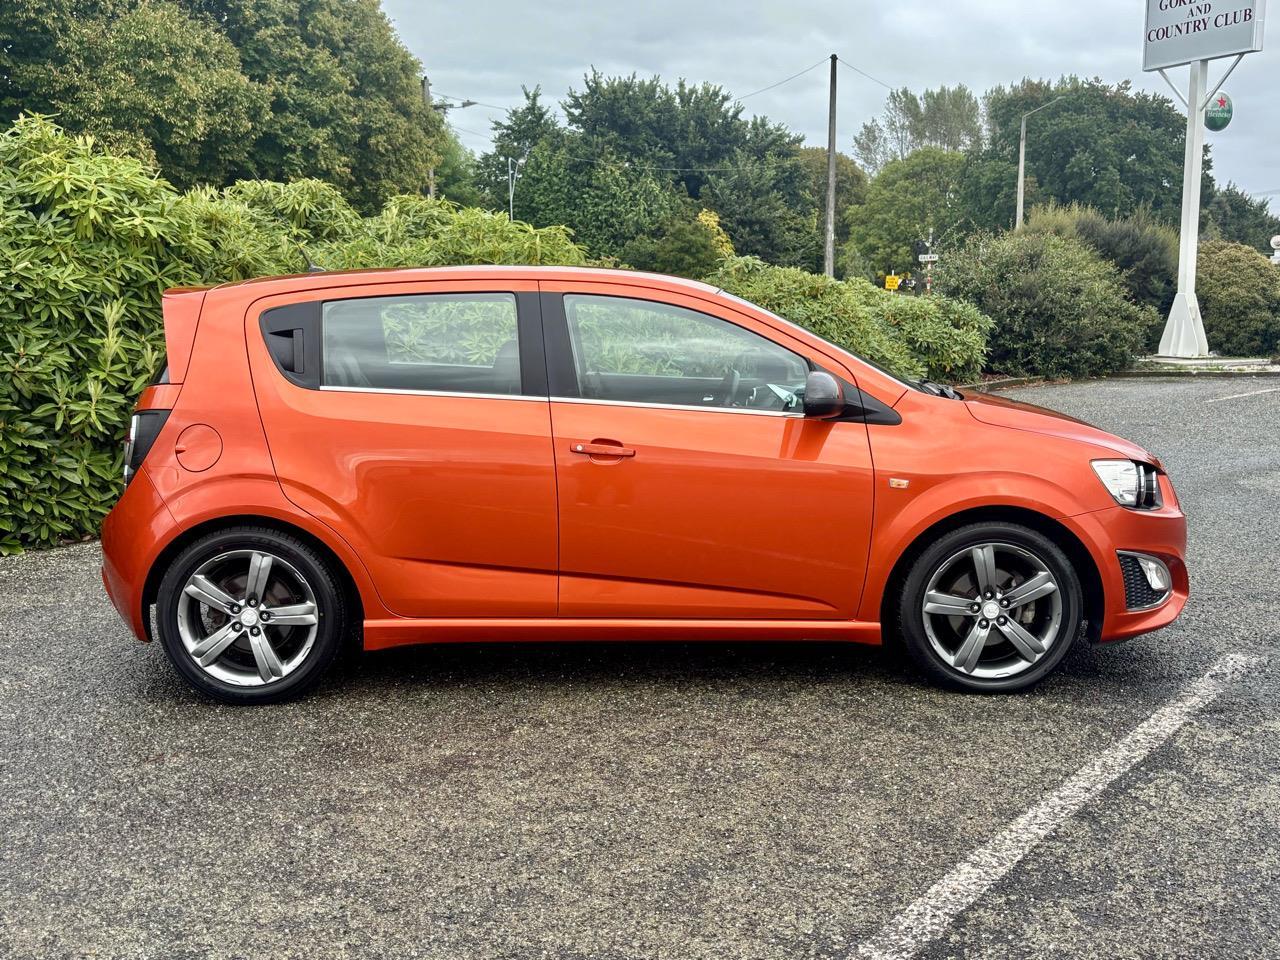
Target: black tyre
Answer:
pixel 251 615
pixel 990 607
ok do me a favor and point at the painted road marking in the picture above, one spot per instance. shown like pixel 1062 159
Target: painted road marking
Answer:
pixel 930 915
pixel 1237 396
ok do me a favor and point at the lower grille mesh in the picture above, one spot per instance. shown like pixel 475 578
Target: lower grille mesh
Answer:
pixel 1137 592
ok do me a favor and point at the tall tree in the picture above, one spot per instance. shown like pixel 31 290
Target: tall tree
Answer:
pixel 948 117
pixel 907 201
pixel 218 90
pixel 147 79
pixel 1102 145
pixel 1231 214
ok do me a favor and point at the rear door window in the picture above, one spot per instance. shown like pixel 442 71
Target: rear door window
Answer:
pixel 431 343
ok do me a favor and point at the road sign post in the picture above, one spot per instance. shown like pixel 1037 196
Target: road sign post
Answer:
pixel 1179 32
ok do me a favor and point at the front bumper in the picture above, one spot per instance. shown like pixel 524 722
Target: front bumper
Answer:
pixel 1160 533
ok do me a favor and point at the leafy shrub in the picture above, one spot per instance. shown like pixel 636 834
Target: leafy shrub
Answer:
pixel 682 246
pixel 1239 294
pixel 1059 308
pixel 1143 249
pixel 88 241
pixel 912 336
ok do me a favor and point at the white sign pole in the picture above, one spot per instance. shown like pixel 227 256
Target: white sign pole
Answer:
pixel 1184 332
pixel 1194 32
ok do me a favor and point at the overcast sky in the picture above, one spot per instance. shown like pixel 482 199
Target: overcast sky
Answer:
pixel 485 50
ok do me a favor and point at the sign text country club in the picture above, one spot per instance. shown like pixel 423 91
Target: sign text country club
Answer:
pixel 1182 31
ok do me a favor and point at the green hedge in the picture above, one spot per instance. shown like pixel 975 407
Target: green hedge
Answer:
pixel 933 336
pixel 88 241
pixel 1059 308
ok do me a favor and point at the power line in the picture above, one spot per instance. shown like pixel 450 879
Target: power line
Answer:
pixel 478 103
pixel 786 80
pixel 864 73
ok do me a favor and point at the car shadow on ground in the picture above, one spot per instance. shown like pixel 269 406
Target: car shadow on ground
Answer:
pixel 685 664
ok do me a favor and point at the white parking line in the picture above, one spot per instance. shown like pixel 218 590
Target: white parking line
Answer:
pixel 932 913
pixel 1237 396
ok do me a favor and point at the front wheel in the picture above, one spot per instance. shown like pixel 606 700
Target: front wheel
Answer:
pixel 990 607
pixel 250 615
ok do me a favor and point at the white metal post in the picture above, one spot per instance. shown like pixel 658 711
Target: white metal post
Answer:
pixel 1184 331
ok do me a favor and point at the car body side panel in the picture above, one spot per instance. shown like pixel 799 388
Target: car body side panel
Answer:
pixel 450 499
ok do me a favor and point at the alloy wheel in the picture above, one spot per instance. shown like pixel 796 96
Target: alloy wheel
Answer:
pixel 247 617
pixel 992 610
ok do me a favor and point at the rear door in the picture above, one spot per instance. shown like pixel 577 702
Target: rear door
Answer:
pixel 414 420
pixel 690 485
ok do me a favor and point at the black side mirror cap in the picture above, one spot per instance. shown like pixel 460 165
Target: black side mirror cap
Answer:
pixel 823 396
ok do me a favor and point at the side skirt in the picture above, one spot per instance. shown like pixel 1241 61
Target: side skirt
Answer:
pixel 380 634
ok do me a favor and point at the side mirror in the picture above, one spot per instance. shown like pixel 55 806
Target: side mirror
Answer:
pixel 823 396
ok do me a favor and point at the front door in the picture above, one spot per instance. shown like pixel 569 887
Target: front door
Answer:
pixel 690 486
pixel 414 421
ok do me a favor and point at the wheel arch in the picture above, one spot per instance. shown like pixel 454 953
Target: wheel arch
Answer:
pixel 1094 599
pixel 151 586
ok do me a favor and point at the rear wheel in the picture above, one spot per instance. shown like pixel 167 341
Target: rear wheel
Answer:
pixel 990 607
pixel 250 615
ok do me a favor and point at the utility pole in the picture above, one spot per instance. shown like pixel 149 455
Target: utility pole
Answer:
pixel 1022 160
pixel 431 170
pixel 829 246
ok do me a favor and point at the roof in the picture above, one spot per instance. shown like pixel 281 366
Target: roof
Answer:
pixel 304 281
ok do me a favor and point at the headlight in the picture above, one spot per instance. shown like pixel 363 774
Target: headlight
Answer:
pixel 1131 484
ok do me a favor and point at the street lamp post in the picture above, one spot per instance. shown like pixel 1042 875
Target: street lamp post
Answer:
pixel 1022 160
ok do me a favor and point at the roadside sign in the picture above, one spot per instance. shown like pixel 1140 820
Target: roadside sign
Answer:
pixel 892 281
pixel 1218 113
pixel 928 258
pixel 1183 31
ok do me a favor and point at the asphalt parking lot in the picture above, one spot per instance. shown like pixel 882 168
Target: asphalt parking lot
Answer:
pixel 669 800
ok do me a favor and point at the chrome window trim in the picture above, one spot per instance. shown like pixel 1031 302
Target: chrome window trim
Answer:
pixel 333 388
pixel 680 406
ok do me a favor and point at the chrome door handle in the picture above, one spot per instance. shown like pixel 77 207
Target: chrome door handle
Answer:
pixel 602 450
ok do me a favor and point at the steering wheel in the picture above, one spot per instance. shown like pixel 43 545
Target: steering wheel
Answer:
pixel 728 391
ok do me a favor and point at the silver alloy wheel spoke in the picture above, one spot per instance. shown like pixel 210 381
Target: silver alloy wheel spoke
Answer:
pixel 264 655
pixel 984 565
pixel 948 605
pixel 297 614
pixel 1027 645
pixel 965 599
pixel 1041 585
pixel 208 593
pixel 971 650
pixel 243 643
pixel 213 646
pixel 259 571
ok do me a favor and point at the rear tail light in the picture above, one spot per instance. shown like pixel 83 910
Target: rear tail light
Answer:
pixel 143 430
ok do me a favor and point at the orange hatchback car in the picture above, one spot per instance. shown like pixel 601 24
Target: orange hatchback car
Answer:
pixel 522 453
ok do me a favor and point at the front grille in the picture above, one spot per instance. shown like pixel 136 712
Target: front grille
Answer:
pixel 1137 592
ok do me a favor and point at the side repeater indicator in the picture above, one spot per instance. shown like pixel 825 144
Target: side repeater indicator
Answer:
pixel 897 483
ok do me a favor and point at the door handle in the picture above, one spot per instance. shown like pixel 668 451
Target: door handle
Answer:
pixel 598 449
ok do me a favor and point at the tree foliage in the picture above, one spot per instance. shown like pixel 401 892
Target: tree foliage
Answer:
pixel 1231 214
pixel 908 201
pixel 949 118
pixel 219 90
